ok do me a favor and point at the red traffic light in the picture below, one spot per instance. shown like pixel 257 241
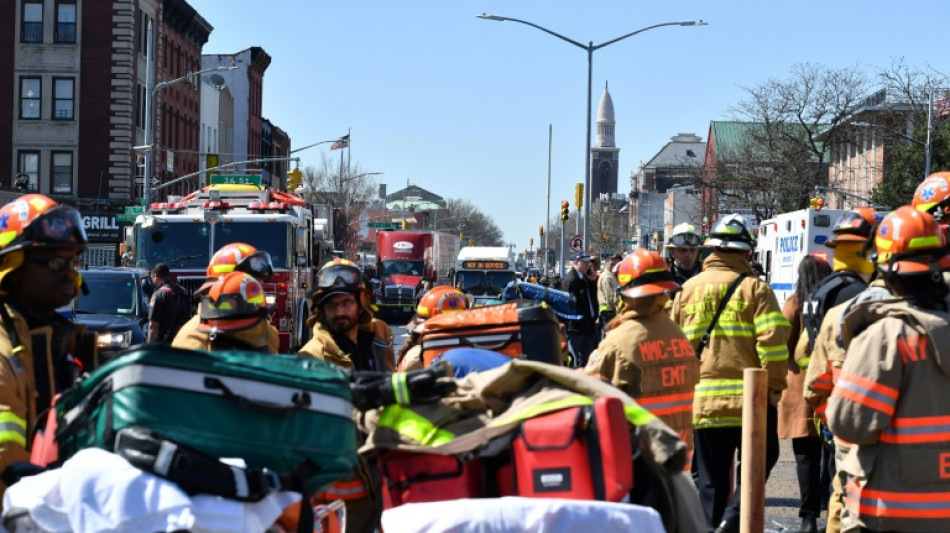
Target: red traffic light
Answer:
pixel 565 204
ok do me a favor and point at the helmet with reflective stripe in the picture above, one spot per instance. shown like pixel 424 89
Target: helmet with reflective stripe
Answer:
pixel 933 195
pixel 731 233
pixel 644 273
pixel 684 236
pixel 442 299
pixel 856 225
pixel 911 242
pixel 235 302
pixel 35 221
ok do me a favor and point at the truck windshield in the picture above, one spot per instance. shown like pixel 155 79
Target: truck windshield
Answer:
pixel 412 268
pixel 111 296
pixel 478 283
pixel 184 245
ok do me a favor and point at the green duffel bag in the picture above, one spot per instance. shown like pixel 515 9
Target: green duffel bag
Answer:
pixel 277 412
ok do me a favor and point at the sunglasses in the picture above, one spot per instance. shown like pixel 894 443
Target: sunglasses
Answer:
pixel 687 240
pixel 59 264
pixel 347 276
pixel 258 264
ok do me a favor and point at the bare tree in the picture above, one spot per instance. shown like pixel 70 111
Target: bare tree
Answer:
pixel 462 217
pixel 791 126
pixel 346 191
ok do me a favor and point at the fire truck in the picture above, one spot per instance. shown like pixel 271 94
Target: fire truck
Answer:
pixel 184 233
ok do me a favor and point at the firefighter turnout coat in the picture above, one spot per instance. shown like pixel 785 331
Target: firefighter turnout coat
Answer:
pixel 260 336
pixel 751 333
pixel 890 402
pixel 646 355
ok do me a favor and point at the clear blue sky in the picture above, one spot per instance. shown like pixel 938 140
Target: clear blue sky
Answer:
pixel 461 106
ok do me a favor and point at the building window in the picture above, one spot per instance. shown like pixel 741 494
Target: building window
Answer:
pixel 62 172
pixel 30 100
pixel 31 28
pixel 63 95
pixel 28 162
pixel 65 22
pixel 145 35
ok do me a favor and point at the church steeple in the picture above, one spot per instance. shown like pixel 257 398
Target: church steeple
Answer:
pixel 604 155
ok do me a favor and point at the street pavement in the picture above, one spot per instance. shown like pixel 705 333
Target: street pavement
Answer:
pixel 781 491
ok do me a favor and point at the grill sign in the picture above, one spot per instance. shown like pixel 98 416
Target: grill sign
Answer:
pixel 486 265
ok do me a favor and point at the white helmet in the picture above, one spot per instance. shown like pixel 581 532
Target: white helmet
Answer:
pixel 684 236
pixel 731 233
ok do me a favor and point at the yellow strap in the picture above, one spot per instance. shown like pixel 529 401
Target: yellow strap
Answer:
pixel 531 412
pixel 413 426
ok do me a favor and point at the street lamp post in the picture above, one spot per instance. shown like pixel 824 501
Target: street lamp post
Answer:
pixel 148 148
pixel 590 47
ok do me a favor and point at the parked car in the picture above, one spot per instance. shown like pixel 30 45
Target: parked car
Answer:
pixel 116 307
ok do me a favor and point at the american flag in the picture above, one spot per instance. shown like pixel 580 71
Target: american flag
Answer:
pixel 342 142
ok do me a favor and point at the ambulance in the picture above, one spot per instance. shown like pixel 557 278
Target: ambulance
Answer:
pixel 784 240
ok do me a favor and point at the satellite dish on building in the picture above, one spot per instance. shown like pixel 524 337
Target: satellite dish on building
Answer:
pixel 217 81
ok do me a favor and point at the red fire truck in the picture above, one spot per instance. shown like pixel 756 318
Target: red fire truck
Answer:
pixel 184 232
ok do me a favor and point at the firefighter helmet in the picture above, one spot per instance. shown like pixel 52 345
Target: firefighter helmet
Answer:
pixel 241 257
pixel 911 242
pixel 441 299
pixel 856 225
pixel 731 233
pixel 645 273
pixel 235 302
pixel 684 236
pixel 933 195
pixel 336 277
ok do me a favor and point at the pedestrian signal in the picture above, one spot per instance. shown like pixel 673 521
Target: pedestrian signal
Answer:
pixel 565 211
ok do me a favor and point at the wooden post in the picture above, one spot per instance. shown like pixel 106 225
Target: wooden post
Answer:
pixel 754 400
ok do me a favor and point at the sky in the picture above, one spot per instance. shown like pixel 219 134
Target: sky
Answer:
pixel 460 106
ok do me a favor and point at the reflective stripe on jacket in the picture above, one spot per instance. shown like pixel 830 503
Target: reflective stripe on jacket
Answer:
pixel 751 333
pixel 646 355
pixel 890 402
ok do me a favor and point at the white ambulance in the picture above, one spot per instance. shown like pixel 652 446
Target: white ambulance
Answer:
pixel 784 240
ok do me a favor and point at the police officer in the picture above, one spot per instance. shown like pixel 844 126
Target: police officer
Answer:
pixel 40 242
pixel 750 332
pixel 582 334
pixel 645 354
pixel 233 257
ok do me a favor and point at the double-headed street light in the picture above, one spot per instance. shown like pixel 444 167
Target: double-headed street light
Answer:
pixel 590 47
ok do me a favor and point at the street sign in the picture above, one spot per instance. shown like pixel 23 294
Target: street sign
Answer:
pixel 134 209
pixel 382 225
pixel 577 243
pixel 632 242
pixel 125 218
pixel 235 179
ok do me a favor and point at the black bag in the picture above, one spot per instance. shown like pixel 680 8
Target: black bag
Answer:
pixel 833 290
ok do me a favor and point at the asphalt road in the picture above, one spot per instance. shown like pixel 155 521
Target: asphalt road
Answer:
pixel 781 491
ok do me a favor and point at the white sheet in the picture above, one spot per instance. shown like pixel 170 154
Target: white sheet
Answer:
pixel 530 515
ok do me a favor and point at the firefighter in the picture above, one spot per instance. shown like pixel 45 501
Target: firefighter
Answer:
pixel 933 196
pixel 683 245
pixel 823 355
pixel 232 257
pixel 342 319
pixel 40 243
pixel 750 332
pixel 644 353
pixel 891 399
pixel 442 299
pixel 233 316
pixel 608 291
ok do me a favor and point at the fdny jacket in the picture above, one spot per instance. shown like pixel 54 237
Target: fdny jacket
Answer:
pixel 889 401
pixel 751 333
pixel 322 346
pixel 646 355
pixel 261 336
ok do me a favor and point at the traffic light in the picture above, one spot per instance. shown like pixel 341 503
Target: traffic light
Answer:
pixel 531 242
pixel 541 230
pixel 816 203
pixel 579 196
pixel 471 241
pixel 565 211
pixel 294 179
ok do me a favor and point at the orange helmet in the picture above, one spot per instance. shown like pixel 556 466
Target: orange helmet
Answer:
pixel 441 299
pixel 911 242
pixel 933 195
pixel 239 257
pixel 644 273
pixel 856 225
pixel 35 221
pixel 235 302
